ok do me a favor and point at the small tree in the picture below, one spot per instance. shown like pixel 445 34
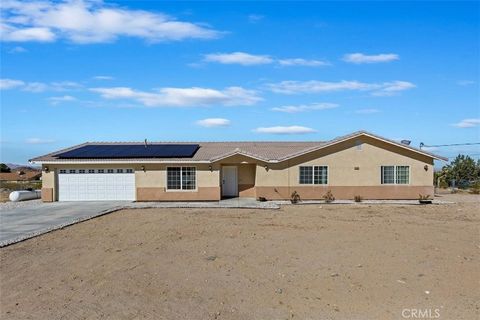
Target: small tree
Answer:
pixel 461 169
pixel 4 168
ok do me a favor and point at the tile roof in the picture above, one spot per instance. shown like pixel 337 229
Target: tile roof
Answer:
pixel 271 151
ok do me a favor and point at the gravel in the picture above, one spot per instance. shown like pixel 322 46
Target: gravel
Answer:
pixel 20 204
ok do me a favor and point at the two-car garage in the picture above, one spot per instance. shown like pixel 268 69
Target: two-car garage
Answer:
pixel 96 184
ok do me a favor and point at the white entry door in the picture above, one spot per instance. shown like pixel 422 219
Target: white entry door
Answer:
pixel 96 184
pixel 229 181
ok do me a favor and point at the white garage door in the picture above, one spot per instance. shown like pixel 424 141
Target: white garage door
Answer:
pixel 96 184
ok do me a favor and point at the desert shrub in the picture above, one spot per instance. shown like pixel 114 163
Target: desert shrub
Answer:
pixel 475 188
pixel 423 197
pixel 358 198
pixel 295 197
pixel 328 197
pixel 21 185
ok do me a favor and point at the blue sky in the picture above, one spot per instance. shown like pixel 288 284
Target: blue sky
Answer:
pixel 81 71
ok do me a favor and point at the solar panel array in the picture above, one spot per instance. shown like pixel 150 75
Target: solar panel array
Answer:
pixel 100 151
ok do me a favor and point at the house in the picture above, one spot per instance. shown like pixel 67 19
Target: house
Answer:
pixel 360 163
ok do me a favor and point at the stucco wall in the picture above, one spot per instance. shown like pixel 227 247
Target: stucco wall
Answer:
pixel 342 159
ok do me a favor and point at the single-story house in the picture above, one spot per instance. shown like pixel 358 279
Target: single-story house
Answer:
pixel 359 164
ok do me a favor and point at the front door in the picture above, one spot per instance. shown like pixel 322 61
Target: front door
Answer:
pixel 229 181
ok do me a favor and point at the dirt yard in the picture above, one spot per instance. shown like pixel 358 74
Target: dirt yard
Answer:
pixel 300 262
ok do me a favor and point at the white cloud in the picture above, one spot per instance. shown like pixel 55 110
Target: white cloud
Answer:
pixel 183 97
pixel 214 122
pixel 302 62
pixel 468 123
pixel 314 86
pixel 57 100
pixel 38 141
pixel 254 18
pixel 248 59
pixel 38 86
pixel 6 84
pixel 367 111
pixel 359 58
pixel 91 21
pixel 465 82
pixel 305 107
pixel 393 88
pixel 17 49
pixel 35 87
pixel 241 58
pixel 103 78
pixel 285 130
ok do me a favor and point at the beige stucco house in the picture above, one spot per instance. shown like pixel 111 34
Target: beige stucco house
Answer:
pixel 360 164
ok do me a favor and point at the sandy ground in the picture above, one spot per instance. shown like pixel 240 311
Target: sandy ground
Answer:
pixel 300 262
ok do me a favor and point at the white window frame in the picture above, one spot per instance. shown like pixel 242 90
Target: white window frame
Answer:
pixel 313 176
pixel 395 175
pixel 181 181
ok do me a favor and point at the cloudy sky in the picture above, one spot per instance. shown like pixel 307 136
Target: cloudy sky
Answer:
pixel 79 71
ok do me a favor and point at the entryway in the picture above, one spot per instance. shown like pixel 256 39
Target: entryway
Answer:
pixel 229 181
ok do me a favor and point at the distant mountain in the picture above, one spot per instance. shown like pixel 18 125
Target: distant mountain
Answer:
pixel 18 167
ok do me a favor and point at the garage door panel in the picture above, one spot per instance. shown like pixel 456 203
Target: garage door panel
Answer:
pixel 96 186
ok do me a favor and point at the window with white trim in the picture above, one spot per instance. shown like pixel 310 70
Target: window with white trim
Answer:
pixel 91 170
pixel 119 170
pixel 81 171
pixel 63 171
pixel 313 174
pixel 101 171
pixel 109 170
pixel 71 171
pixel 395 174
pixel 129 170
pixel 402 175
pixel 181 178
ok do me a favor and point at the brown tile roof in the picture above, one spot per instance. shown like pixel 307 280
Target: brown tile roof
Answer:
pixel 272 151
pixel 15 176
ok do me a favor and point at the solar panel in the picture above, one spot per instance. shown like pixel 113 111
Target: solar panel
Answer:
pixel 103 151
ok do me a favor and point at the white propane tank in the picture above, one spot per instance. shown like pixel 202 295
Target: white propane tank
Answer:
pixel 25 195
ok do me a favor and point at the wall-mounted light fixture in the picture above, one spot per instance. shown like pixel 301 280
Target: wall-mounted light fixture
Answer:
pixel 425 168
pixel 266 167
pixel 210 168
pixel 47 169
pixel 143 168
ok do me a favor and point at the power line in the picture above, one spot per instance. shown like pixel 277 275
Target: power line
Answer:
pixel 449 145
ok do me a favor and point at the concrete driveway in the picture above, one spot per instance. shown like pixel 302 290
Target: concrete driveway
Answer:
pixel 25 222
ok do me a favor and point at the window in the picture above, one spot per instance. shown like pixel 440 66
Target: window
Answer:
pixel 81 171
pixel 101 171
pixel 181 178
pixel 395 174
pixel 402 175
pixel 109 170
pixel 119 170
pixel 129 170
pixel 91 170
pixel 313 175
pixel 388 174
pixel 306 174
pixel 71 171
pixel 320 175
pixel 63 171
